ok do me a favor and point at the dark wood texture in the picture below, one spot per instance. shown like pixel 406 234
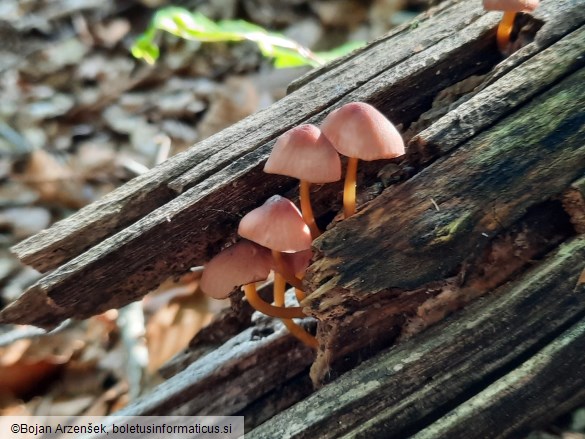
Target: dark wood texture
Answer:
pixel 406 389
pixel 128 204
pixel 555 377
pixel 429 227
pixel 231 377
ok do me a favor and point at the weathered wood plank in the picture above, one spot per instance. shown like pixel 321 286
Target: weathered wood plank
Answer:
pixel 231 377
pixel 193 226
pixel 544 387
pixel 127 204
pixel 417 382
pixel 500 97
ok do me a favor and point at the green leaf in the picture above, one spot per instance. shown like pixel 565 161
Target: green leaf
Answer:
pixel 195 26
pixel 145 48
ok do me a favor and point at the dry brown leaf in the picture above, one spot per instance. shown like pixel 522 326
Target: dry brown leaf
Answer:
pixel 111 400
pixel 111 32
pixel 237 99
pixel 55 182
pixel 171 328
pixel 24 378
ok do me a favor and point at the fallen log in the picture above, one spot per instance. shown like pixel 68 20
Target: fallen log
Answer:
pixel 406 389
pixel 491 185
pixel 228 181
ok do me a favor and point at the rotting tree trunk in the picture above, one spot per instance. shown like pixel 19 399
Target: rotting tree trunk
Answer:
pixel 505 338
pixel 488 200
pixel 438 224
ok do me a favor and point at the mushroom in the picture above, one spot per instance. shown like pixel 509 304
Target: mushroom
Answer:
pixel 296 330
pixel 279 225
pixel 359 131
pixel 243 263
pixel 304 153
pixel 510 8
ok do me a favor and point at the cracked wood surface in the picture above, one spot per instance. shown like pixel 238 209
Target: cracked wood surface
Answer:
pixel 407 389
pixel 192 227
pixel 417 382
pixel 425 229
pixel 124 206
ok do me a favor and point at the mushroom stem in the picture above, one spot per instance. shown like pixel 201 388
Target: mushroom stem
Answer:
pixel 505 29
pixel 273 311
pixel 349 187
pixel 301 294
pixel 284 271
pixel 296 330
pixel 307 209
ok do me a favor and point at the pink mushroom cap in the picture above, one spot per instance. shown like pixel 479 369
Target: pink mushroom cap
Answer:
pixel 278 225
pixel 359 130
pixel 511 5
pixel 305 153
pixel 240 264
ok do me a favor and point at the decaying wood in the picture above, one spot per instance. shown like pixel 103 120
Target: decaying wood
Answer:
pixel 225 325
pixel 488 414
pixel 222 175
pixel 574 204
pixel 484 193
pixel 231 377
pixel 417 382
pixel 427 228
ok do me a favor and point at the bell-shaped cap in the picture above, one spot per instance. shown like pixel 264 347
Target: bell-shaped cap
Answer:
pixel 305 153
pixel 240 264
pixel 278 225
pixel 511 5
pixel 359 130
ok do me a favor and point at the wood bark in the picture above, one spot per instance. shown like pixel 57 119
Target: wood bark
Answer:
pixel 417 382
pixel 424 233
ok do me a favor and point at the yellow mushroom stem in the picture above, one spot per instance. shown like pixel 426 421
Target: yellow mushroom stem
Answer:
pixel 273 311
pixel 349 187
pixel 300 294
pixel 307 209
pixel 296 330
pixel 284 271
pixel 505 29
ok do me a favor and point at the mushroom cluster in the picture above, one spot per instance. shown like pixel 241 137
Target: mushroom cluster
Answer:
pixel 510 8
pixel 277 236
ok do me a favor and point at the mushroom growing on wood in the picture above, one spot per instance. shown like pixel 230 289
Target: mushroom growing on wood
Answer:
pixel 278 225
pixel 510 8
pixel 304 153
pixel 240 264
pixel 359 131
pixel 243 263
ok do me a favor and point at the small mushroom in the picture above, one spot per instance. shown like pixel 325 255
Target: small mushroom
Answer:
pixel 243 263
pixel 279 225
pixel 240 264
pixel 359 131
pixel 510 8
pixel 304 153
